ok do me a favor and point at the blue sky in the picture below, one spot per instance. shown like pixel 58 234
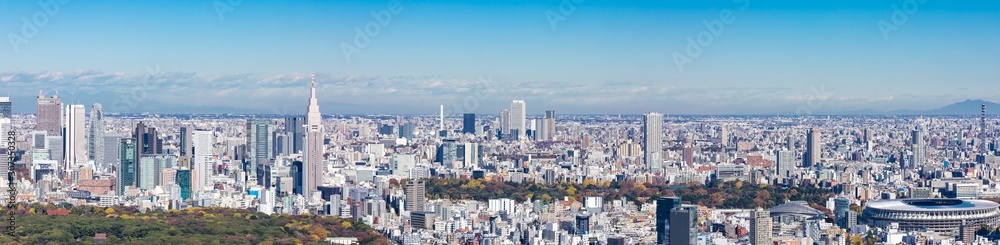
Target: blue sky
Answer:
pixel 476 56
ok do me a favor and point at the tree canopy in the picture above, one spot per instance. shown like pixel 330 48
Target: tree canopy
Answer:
pixel 125 225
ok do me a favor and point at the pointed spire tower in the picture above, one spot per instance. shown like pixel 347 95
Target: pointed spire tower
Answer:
pixel 312 159
pixel 312 115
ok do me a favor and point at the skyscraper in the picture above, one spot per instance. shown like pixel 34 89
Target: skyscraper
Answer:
pixel 760 227
pixel 447 153
pixel 518 119
pixel 469 123
pixel 406 131
pixel 297 177
pixel 684 224
pixel 550 124
pixel 127 166
pixel 415 195
pixel 147 141
pixel 813 148
pixel 723 135
pixel 295 133
pixel 150 169
pixel 313 167
pixel 786 163
pixel 259 144
pixel 919 146
pixel 840 208
pixel 183 179
pixel 652 137
pixel 5 126
pixel 5 107
pixel 49 117
pixel 95 142
pixel 663 207
pixel 184 141
pixel 505 123
pixel 112 153
pixel 202 170
pixel 75 143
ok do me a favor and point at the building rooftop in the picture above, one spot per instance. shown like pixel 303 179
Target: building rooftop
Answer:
pixel 794 208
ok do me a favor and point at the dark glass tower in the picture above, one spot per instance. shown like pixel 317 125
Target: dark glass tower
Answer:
pixel 184 180
pixel 127 166
pixel 469 123
pixel 663 207
pixel 294 129
pixel 297 177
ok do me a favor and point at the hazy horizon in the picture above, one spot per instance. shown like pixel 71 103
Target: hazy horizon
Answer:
pixel 575 57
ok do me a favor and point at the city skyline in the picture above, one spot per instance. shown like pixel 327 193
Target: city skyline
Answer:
pixel 600 122
pixel 601 57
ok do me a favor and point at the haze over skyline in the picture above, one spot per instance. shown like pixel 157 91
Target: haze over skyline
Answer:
pixel 601 57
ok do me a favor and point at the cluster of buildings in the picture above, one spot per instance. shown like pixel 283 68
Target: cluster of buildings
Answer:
pixel 887 174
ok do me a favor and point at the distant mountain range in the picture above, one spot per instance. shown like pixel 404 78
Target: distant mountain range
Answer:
pixel 968 107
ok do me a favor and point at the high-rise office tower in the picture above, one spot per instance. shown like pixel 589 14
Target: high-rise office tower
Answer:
pixel 447 153
pixel 95 140
pixel 760 227
pixel 840 208
pixel 151 167
pixel 786 163
pixel 550 125
pixel 294 133
pixel 127 168
pixel 49 117
pixel 469 123
pixel 313 166
pixel 147 140
pixel 183 179
pixel 518 119
pixel 259 144
pixel 406 131
pixel 112 153
pixel 471 154
pixel 75 142
pixel 5 126
pixel 663 207
pixel 415 195
pixel 684 226
pixel 652 137
pixel 867 139
pixel 56 147
pixel 539 132
pixel 297 177
pixel 38 139
pixel 919 146
pixel 813 148
pixel 184 141
pixel 723 135
pixel 201 172
pixel 582 223
pixel 505 122
pixel 5 107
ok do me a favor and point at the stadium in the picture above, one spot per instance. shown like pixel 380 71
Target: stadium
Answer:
pixel 935 215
